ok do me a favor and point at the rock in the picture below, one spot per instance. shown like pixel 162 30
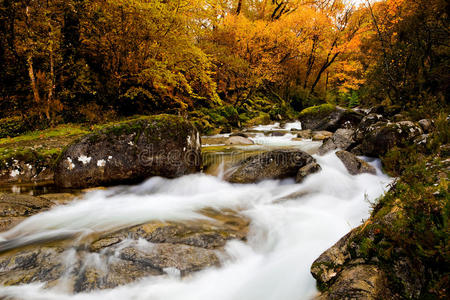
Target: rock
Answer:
pixel 161 145
pixel 366 123
pixel 15 208
pixel 381 137
pixel 239 134
pixel 426 125
pixel 31 265
pixel 326 267
pixel 303 172
pixel 321 135
pixel 238 140
pixel 186 259
pixel 277 164
pixel 305 134
pixel 341 139
pixel 354 268
pixel 278 133
pixel 359 282
pixel 119 258
pixel 25 169
pixel 328 117
pixel 209 235
pixel 354 164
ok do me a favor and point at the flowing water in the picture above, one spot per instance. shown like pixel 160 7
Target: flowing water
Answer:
pixel 291 225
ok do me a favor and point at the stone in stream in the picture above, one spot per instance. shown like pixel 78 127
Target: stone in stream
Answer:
pixel 353 164
pixel 276 164
pixel 238 140
pixel 277 133
pixel 321 135
pixel 341 139
pixel 161 145
pixel 122 257
pixel 305 134
pixel 15 208
pixel 328 117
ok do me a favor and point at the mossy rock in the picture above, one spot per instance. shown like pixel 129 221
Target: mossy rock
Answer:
pixel 131 151
pixel 329 117
pixel 318 111
pixel 261 119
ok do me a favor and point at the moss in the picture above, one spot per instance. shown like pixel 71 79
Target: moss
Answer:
pixel 318 110
pixel 261 119
pixel 57 132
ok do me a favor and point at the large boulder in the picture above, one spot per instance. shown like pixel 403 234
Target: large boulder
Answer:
pixel 341 139
pixel 132 151
pixel 380 137
pixel 366 264
pixel 328 117
pixel 277 164
pixel 353 164
pixel 122 257
pixel 341 276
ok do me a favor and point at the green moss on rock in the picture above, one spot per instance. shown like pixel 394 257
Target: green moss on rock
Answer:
pixel 318 110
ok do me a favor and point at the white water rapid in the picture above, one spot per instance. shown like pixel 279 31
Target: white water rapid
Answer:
pixel 286 233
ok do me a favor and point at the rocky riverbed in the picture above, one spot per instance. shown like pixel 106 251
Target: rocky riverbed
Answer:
pixel 270 201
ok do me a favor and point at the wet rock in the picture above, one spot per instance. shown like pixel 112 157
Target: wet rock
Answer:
pixel 321 135
pixel 238 140
pixel 277 164
pixel 227 225
pixel 341 139
pixel 328 117
pixel 151 249
pixel 379 138
pixel 305 134
pixel 15 208
pixel 303 172
pixel 353 164
pixel 186 259
pixel 327 266
pixel 278 133
pixel 359 282
pixel 25 169
pixel 31 265
pixel 426 125
pixel 161 145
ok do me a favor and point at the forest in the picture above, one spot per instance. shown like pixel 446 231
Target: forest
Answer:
pixel 219 62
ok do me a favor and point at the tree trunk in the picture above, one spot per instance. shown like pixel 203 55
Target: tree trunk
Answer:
pixel 239 8
pixel 34 87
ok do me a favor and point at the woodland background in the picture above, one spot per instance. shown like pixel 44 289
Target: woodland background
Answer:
pixel 218 62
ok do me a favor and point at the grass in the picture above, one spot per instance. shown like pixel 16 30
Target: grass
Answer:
pixel 59 131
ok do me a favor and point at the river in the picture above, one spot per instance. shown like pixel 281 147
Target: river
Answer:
pixel 291 225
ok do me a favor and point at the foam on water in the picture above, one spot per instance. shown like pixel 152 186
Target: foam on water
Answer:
pixel 285 235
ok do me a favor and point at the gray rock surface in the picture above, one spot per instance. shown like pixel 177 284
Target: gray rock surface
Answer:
pixel 161 145
pixel 277 164
pixel 353 164
pixel 341 139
